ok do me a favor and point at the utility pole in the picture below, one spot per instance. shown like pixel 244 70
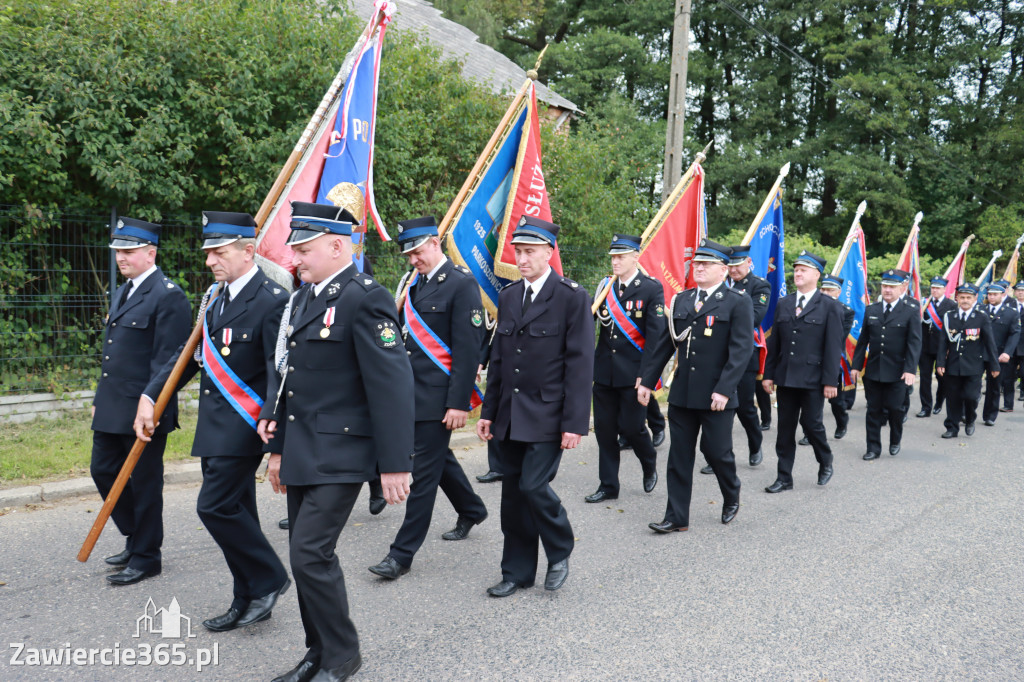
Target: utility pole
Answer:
pixel 673 170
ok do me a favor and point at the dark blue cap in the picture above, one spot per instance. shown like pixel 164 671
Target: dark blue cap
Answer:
pixel 130 233
pixel 712 252
pixel 220 228
pixel 1004 283
pixel 995 286
pixel 309 221
pixel 739 255
pixel 412 233
pixel 810 260
pixel 939 281
pixel 624 243
pixel 832 282
pixel 535 231
pixel 967 288
pixel 1019 285
pixel 895 277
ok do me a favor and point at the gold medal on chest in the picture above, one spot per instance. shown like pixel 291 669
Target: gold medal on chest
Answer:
pixel 707 332
pixel 325 332
pixel 225 351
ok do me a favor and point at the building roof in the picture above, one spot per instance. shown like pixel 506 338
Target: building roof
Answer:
pixel 480 63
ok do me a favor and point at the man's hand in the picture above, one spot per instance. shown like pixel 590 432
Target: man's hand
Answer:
pixel 92 413
pixel 396 486
pixel 479 373
pixel 144 425
pixel 570 440
pixel 831 392
pixel 1004 357
pixel 718 402
pixel 483 429
pixel 995 374
pixel 908 378
pixel 274 472
pixel 768 385
pixel 265 429
pixel 643 395
pixel 854 374
pixel 455 419
pixel 940 371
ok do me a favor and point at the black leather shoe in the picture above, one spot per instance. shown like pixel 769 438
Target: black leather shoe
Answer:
pixel 224 622
pixel 729 512
pixel 489 477
pixel 341 673
pixel 989 422
pixel 894 449
pixel 462 528
pixel 389 568
pixel 969 429
pixel 1020 398
pixel 658 437
pixel 707 470
pixel 756 458
pixel 840 432
pixel 119 559
pixel 765 426
pixel 803 441
pixel 303 672
pixel 650 481
pixel 1006 409
pixel 938 408
pixel 949 434
pixel 824 475
pixel 925 412
pixel 130 576
pixel 667 527
pixel 283 524
pixel 624 444
pixel 868 456
pixel 600 496
pixel 778 487
pixel 377 505
pixel 506 588
pixel 904 417
pixel 260 609
pixel 557 574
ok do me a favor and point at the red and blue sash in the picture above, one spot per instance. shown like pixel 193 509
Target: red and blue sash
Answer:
pixel 431 344
pixel 243 399
pixel 624 323
pixel 933 315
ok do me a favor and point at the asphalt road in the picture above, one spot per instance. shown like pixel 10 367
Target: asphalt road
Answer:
pixel 908 567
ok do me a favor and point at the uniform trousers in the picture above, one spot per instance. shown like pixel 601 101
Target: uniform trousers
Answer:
pixel 993 388
pixel 927 367
pixel 655 419
pixel 227 507
pixel 803 406
pixel 764 403
pixel 433 465
pixel 747 409
pixel 139 511
pixel 531 512
pixel 493 456
pixel 1007 379
pixel 616 411
pixel 317 514
pixel 842 404
pixel 715 430
pixel 962 395
pixel 885 403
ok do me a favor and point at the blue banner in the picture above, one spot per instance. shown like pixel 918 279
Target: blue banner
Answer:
pixel 855 287
pixel 473 235
pixel 767 250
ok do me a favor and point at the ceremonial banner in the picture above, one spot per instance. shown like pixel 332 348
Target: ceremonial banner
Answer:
pixel 337 166
pixel 1010 274
pixel 767 250
pixel 668 252
pixel 910 261
pixel 956 273
pixel 854 271
pixel 491 210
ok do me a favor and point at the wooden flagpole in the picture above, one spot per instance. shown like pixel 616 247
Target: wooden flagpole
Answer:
pixel 765 205
pixel 961 252
pixel 991 265
pixel 910 238
pixel 863 206
pixel 655 224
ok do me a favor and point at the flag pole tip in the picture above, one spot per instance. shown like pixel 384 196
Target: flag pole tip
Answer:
pixel 534 72
pixel 919 216
pixel 863 206
pixel 785 170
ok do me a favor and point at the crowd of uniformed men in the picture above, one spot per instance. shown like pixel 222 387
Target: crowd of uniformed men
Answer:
pixel 342 387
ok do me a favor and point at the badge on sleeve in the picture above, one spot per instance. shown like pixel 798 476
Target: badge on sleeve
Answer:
pixel 477 318
pixel 659 310
pixel 763 298
pixel 387 334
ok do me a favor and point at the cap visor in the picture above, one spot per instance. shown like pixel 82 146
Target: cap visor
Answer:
pixel 125 244
pixel 303 236
pixel 216 242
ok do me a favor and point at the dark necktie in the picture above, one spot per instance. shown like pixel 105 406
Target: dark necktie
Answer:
pixel 888 309
pixel 622 290
pixel 124 294
pixel 799 306
pixel 223 301
pixel 527 299
pixel 701 297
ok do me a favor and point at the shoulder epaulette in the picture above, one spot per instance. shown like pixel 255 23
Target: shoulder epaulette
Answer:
pixel 274 288
pixel 463 269
pixel 569 283
pixel 365 280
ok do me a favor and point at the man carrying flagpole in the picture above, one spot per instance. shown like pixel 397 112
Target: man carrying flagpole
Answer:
pixel 931 329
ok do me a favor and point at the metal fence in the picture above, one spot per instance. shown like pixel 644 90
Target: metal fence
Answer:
pixel 57 277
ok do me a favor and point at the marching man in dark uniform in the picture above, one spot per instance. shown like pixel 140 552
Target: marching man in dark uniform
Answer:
pixel 803 363
pixel 965 350
pixel 1005 334
pixel 931 329
pixel 149 320
pixel 443 319
pixel 240 318
pixel 891 340
pixel 342 407
pixel 633 312
pixel 711 326
pixel 537 405
pixel 841 405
